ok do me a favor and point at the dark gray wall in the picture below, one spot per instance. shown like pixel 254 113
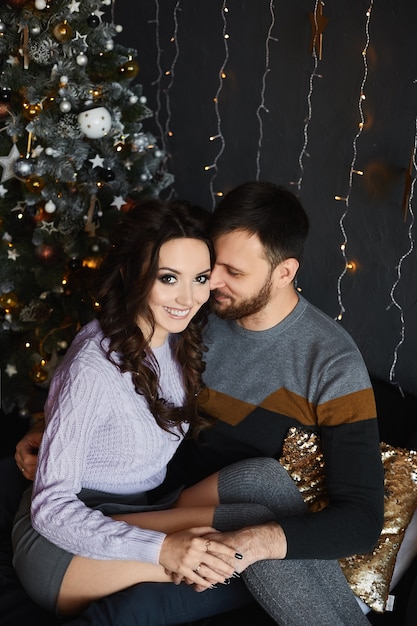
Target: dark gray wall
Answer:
pixel 306 137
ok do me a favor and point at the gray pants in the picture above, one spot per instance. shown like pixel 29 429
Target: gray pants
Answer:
pixel 292 592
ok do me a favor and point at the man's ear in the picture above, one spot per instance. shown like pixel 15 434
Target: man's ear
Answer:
pixel 285 272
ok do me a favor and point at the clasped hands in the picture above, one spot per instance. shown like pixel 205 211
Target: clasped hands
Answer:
pixel 204 557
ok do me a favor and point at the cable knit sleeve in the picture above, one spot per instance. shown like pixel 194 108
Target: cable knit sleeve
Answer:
pixel 81 396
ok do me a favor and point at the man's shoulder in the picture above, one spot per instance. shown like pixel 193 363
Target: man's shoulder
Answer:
pixel 316 321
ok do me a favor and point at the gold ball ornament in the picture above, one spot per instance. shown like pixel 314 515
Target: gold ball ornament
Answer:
pixel 35 183
pixel 129 69
pixel 62 31
pixel 31 110
pixel 9 300
pixel 39 374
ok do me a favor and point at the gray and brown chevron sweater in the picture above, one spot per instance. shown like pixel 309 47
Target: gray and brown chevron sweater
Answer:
pixel 305 372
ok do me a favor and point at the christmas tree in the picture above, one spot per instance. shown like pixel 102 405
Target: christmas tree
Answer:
pixel 73 154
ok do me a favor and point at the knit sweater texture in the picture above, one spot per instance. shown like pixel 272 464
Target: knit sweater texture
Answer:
pixel 100 435
pixel 305 372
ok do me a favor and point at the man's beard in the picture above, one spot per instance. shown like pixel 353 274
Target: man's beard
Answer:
pixel 246 307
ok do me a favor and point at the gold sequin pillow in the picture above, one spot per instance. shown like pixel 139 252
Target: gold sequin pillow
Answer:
pixel 369 575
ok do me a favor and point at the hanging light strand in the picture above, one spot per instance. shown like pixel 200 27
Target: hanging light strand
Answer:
pixel 219 135
pixel 353 169
pixel 262 106
pixel 394 301
pixel 171 72
pixel 158 80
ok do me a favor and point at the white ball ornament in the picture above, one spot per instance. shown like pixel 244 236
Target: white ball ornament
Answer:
pixel 82 59
pixel 109 45
pixel 50 206
pixel 143 99
pixel 95 123
pixel 133 99
pixel 40 5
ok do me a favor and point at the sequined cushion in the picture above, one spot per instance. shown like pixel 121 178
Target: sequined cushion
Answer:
pixel 369 575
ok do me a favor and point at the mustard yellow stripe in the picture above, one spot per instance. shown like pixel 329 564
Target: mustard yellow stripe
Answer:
pixel 353 407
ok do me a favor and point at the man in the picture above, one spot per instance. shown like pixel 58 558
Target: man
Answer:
pixel 275 361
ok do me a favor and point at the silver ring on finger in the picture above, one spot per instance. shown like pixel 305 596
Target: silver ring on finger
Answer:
pixel 197 568
pixel 207 544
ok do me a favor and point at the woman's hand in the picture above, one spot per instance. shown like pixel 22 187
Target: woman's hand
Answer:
pixel 26 455
pixel 193 557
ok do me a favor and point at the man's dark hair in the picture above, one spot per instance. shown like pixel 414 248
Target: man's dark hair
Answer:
pixel 271 212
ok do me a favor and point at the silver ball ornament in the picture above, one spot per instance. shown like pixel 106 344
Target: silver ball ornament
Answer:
pixel 82 59
pixel 65 106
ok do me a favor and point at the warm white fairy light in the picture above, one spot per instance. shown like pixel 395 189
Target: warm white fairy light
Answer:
pixel 219 135
pixel 353 169
pixel 394 301
pixel 262 106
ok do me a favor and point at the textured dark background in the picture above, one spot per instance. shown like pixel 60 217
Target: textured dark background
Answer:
pixel 286 116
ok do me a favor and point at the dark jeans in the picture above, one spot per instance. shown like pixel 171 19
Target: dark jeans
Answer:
pixel 163 604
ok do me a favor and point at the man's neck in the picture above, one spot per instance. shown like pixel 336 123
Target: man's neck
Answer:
pixel 273 313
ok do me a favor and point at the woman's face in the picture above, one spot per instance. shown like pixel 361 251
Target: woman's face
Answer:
pixel 181 287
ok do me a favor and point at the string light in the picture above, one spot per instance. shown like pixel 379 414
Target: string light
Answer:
pixel 171 73
pixel 394 301
pixel 313 75
pixel 262 106
pixel 219 134
pixel 160 74
pixel 353 169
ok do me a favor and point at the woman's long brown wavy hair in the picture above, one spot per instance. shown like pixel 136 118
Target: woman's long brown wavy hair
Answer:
pixel 125 279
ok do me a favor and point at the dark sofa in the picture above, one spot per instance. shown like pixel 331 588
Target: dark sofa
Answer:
pixel 397 413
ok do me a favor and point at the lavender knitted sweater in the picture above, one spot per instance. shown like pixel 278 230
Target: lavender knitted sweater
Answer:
pixel 100 435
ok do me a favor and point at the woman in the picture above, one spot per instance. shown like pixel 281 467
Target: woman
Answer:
pixel 118 406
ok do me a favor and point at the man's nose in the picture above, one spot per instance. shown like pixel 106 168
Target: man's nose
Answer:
pixel 216 278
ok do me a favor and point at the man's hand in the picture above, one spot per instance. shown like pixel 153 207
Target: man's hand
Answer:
pixel 26 455
pixel 255 543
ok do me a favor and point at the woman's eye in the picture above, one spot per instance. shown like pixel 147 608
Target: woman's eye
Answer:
pixel 203 279
pixel 168 279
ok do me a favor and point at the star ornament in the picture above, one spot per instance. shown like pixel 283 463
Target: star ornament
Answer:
pixel 98 161
pixel 118 202
pixel 49 227
pixel 12 254
pixel 7 163
pixel 11 370
pixel 74 7
pixel 3 191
